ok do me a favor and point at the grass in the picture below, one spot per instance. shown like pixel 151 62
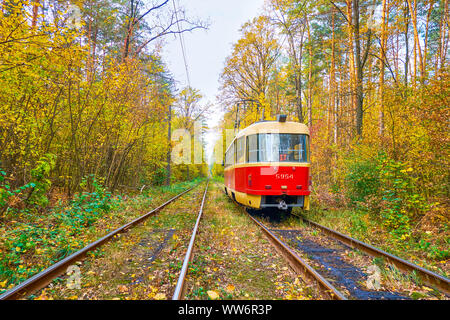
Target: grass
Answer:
pixel 31 241
pixel 124 271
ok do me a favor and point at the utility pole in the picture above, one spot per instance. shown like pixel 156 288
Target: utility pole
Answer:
pixel 169 139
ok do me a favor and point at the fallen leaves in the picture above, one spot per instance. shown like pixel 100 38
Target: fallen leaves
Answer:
pixel 213 295
pixel 160 296
pixel 230 288
pixel 122 289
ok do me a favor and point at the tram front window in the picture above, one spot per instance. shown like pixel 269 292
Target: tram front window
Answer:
pixel 282 147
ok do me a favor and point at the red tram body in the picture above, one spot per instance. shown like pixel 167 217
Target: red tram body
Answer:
pixel 267 165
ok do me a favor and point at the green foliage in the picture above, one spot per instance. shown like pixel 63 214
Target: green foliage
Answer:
pixel 358 226
pixel 403 202
pixel 219 178
pixel 433 251
pixel 86 207
pixel 24 241
pixel 363 178
pixel 57 241
pixel 382 185
pixel 4 189
pixel 33 193
pixel 6 192
pixel 41 184
pixel 159 177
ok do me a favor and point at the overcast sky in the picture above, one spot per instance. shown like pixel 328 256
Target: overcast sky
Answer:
pixel 206 51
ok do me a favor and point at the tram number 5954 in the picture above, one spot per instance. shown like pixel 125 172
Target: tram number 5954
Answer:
pixel 284 176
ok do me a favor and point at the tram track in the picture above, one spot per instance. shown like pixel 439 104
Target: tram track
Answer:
pixel 290 243
pixel 180 288
pixel 300 265
pixel 428 277
pixel 346 279
pixel 45 277
pixel 296 262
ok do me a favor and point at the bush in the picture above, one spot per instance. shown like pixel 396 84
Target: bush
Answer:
pixel 381 184
pixel 403 202
pixel 159 177
pixel 86 207
pixel 57 239
pixel 41 184
pixel 363 179
pixel 32 194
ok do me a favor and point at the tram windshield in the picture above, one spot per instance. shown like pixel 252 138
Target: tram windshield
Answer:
pixel 277 147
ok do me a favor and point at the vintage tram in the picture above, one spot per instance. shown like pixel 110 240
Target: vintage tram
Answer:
pixel 267 165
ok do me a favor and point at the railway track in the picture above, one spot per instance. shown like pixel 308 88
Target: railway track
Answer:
pixel 277 237
pixel 296 262
pixel 45 277
pixel 428 277
pixel 180 288
pixel 320 277
pixel 300 265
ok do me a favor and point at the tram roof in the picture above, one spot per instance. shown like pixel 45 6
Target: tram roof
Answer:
pixel 274 127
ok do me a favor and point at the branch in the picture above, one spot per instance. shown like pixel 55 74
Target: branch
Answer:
pixel 164 33
pixel 150 10
pixel 386 64
pixel 339 9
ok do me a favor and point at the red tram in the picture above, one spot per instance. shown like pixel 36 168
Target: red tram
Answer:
pixel 267 165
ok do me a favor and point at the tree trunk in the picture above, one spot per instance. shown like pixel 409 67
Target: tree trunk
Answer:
pixel 333 77
pixel 359 69
pixel 417 48
pixel 309 75
pixel 351 57
pixel 382 61
pixel 35 12
pixel 406 17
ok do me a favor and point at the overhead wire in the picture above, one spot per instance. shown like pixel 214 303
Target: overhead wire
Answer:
pixel 182 44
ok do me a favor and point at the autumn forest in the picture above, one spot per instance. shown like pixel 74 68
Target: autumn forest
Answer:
pixel 371 80
pixel 89 111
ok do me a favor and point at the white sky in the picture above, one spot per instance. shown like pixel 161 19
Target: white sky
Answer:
pixel 206 51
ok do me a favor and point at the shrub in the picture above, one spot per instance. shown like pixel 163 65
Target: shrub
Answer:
pixel 159 176
pixel 381 184
pixel 41 184
pixel 363 179
pixel 403 202
pixel 86 207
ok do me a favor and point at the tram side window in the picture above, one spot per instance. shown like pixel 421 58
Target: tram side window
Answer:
pixel 229 156
pixel 240 150
pixel 252 148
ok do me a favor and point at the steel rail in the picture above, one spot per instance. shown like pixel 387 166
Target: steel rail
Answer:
pixel 427 276
pixel 43 278
pixel 180 288
pixel 299 264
